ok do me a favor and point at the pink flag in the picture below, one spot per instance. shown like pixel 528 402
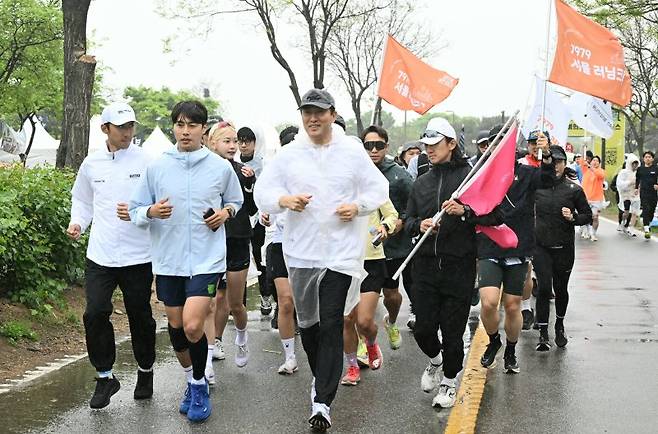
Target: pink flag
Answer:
pixel 487 188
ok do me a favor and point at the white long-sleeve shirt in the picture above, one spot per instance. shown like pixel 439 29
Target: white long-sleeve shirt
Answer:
pixel 104 180
pixel 334 174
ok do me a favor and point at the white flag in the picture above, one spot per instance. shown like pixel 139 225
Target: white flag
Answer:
pixel 592 114
pixel 556 115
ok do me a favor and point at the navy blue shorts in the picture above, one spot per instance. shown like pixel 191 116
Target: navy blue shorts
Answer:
pixel 174 290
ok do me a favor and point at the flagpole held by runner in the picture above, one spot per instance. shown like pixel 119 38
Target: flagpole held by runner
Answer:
pixel 437 217
pixel 543 102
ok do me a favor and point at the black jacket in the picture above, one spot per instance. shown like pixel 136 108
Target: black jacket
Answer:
pixel 456 235
pixel 240 225
pixel 399 188
pixel 518 208
pixel 552 229
pixel 646 178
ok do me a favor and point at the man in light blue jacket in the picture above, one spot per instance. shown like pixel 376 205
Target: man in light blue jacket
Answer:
pixel 186 197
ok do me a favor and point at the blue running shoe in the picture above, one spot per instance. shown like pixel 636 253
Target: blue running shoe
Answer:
pixel 187 398
pixel 200 406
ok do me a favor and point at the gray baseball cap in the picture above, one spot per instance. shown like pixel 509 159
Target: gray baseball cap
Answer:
pixel 318 98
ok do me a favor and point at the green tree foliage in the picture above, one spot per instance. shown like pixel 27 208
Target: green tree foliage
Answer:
pixel 153 107
pixel 31 60
pixel 37 260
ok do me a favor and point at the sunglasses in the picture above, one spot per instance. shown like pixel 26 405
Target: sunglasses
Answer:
pixel 431 134
pixel 379 145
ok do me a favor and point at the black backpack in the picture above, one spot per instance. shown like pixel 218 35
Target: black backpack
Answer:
pixel 423 163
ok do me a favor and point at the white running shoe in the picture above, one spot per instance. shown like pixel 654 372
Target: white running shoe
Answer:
pixel 620 227
pixel 446 396
pixel 593 238
pixel 289 367
pixel 431 377
pixel 218 352
pixel 210 375
pixel 242 356
pixel 320 419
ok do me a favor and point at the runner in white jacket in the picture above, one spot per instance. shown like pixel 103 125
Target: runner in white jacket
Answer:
pixel 327 185
pixel 118 253
pixel 629 198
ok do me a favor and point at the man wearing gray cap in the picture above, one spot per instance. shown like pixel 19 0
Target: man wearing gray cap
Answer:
pixel 327 187
pixel 118 253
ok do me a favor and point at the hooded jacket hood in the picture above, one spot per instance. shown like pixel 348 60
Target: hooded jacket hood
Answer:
pixel 193 157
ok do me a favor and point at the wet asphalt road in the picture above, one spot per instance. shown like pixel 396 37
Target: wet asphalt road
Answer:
pixel 254 399
pixel 606 380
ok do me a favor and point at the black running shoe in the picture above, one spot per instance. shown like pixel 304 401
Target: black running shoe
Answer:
pixel 528 319
pixel 488 359
pixel 144 386
pixel 319 422
pixel 560 338
pixel 511 365
pixel 105 388
pixel 544 344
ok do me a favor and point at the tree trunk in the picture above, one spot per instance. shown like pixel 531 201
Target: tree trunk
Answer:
pixel 378 113
pixel 78 85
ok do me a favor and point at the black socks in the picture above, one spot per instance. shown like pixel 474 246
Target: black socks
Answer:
pixel 199 354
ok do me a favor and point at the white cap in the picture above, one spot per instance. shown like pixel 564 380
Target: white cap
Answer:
pixel 437 129
pixel 118 113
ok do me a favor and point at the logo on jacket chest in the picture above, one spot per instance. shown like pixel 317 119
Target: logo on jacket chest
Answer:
pixel 134 175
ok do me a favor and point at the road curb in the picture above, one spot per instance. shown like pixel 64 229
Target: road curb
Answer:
pixel 463 417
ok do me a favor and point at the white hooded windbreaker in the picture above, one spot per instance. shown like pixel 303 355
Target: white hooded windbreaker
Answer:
pixel 626 180
pixel 316 240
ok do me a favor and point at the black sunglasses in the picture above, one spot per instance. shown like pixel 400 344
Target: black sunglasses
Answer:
pixel 431 134
pixel 379 145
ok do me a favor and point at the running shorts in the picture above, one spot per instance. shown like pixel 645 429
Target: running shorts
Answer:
pixel 276 263
pixel 377 274
pixel 237 254
pixel 174 290
pixel 494 274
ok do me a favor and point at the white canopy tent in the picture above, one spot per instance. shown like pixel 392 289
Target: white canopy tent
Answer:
pixel 157 143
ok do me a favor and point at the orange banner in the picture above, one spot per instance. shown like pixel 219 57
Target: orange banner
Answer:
pixel 589 58
pixel 408 83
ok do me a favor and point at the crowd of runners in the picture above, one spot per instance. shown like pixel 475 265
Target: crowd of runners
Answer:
pixel 341 216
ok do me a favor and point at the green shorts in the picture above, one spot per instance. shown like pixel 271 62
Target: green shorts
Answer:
pixel 496 273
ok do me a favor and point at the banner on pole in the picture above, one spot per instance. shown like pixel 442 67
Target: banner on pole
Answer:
pixel 555 117
pixel 408 83
pixel 589 58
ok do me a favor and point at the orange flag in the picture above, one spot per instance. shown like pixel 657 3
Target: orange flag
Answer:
pixel 589 58
pixel 408 83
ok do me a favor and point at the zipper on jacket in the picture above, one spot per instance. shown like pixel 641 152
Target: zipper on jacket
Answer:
pixel 438 198
pixel 189 217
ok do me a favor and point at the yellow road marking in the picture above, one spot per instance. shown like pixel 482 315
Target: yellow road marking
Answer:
pixel 463 416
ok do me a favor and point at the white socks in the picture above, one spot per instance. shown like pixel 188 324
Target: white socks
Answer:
pixel 188 373
pixel 139 368
pixel 211 348
pixel 104 374
pixel 288 347
pixel 199 382
pixel 437 361
pixel 240 336
pixel 452 382
pixel 525 305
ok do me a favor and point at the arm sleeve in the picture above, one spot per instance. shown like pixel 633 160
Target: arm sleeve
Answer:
pixel 544 177
pixel 406 183
pixel 494 218
pixel 82 200
pixel 389 214
pixel 412 221
pixel 232 196
pixel 599 173
pixel 270 187
pixel 141 200
pixel 583 214
pixel 372 184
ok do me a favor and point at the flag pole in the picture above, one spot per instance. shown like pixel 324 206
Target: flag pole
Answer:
pixel 437 217
pixel 543 100
pixel 379 76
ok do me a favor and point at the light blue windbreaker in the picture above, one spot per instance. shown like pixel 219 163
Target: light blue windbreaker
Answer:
pixel 183 245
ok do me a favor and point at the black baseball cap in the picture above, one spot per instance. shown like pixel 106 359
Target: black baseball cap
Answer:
pixel 534 135
pixel 318 98
pixel 557 152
